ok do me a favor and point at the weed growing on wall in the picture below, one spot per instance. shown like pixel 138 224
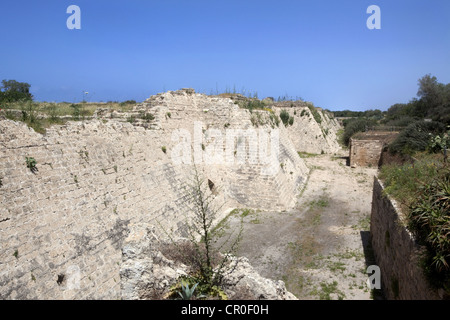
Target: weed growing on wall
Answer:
pixel 208 265
pixel 423 189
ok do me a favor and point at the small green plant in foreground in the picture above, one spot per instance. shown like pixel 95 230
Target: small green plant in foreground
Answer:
pixel 185 288
pixel 186 293
pixel 209 264
pixel 164 149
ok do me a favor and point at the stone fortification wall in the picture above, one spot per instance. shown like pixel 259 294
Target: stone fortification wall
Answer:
pixel 365 153
pixel 62 227
pixel 309 135
pixel 396 252
pixel 366 148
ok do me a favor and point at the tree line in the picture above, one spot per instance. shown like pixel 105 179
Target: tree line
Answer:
pixel 424 117
pixel 12 91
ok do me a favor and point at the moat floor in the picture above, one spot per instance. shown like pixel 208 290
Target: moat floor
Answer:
pixel 319 249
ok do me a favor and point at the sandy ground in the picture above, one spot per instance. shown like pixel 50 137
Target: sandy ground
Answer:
pixel 319 249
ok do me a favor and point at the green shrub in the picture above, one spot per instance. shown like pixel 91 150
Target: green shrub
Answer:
pixel 415 137
pixel 354 126
pixel 440 142
pixel 423 191
pixel 401 122
pixel 429 220
pixel 147 116
pixel 402 181
pixel 284 116
pixel 31 163
pixel 315 114
pixel 76 111
pixel 127 102
pixel 274 120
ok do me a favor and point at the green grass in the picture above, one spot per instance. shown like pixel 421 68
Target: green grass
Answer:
pixel 315 114
pixel 423 190
pixel 322 202
pixel 42 115
pixel 307 154
pixel 327 289
pixel 403 182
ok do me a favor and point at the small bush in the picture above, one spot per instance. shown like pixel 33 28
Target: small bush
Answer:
pixel 315 114
pixel 416 137
pixel 164 149
pixel 147 116
pixel 402 181
pixel 423 190
pixel 127 102
pixel 284 116
pixel 291 121
pixel 252 104
pixel 274 120
pixel 31 164
pixel 354 126
pixel 429 219
pixel 439 142
pixel 76 111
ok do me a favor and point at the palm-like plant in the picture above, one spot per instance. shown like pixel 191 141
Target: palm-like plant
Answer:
pixel 186 292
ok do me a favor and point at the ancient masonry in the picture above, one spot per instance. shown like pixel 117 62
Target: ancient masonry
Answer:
pixel 396 252
pixel 366 148
pixel 62 226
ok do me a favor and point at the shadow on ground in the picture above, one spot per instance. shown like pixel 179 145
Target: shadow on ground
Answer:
pixel 370 260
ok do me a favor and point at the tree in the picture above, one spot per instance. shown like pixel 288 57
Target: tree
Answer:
pixel 209 265
pixel 13 90
pixel 355 125
pixel 431 93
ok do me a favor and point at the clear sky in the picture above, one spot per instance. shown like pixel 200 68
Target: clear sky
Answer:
pixel 321 50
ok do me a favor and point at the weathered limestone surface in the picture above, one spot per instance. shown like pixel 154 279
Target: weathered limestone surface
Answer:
pixel 366 147
pixel 62 228
pixel 307 134
pixel 146 272
pixel 396 252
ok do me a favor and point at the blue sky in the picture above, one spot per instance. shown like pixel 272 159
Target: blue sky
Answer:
pixel 321 51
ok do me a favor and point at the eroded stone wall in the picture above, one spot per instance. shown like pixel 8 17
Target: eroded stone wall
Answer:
pixel 62 227
pixel 365 153
pixel 307 134
pixel 396 252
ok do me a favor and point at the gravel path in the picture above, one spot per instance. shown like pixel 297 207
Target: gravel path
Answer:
pixel 319 248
